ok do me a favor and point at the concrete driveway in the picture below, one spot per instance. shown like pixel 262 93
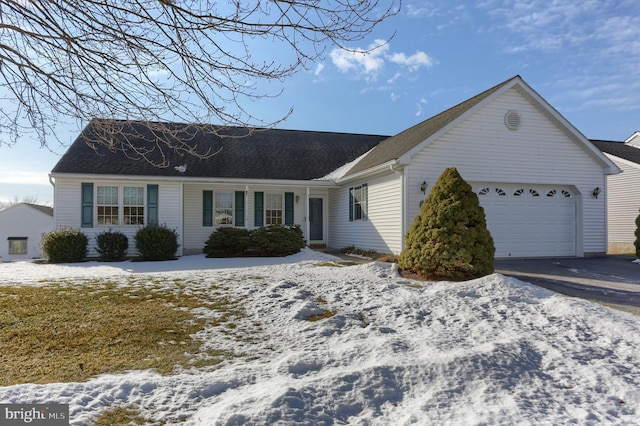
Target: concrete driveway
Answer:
pixel 610 279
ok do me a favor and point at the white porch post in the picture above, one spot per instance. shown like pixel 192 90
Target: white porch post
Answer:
pixel 246 206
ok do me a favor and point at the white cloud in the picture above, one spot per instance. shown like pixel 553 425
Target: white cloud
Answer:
pixel 421 103
pixel 367 61
pixel 319 68
pixel 370 62
pixel 427 10
pixel 413 62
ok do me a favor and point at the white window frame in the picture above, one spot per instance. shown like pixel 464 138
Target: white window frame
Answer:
pixel 359 203
pixel 133 213
pixel 123 206
pixel 105 203
pixel 274 209
pixel 222 211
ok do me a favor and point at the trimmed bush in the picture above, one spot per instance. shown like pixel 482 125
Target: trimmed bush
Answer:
pixel 637 242
pixel 277 240
pixel 227 242
pixel 112 245
pixel 449 239
pixel 156 242
pixel 64 245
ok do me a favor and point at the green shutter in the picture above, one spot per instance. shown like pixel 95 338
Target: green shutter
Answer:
pixel 87 205
pixel 365 201
pixel 152 204
pixel 239 208
pixel 351 204
pixel 288 208
pixel 207 208
pixel 258 209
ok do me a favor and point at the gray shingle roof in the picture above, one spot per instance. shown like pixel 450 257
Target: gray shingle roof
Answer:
pixel 619 149
pixel 44 209
pixel 265 154
pixel 395 146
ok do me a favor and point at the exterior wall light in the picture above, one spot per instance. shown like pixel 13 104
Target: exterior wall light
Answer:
pixel 297 199
pixel 596 192
pixel 423 187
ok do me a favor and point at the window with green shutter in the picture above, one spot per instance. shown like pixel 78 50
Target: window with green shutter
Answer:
pixel 288 208
pixel 207 208
pixel 358 202
pixel 258 209
pixel 87 205
pixel 239 208
pixel 152 204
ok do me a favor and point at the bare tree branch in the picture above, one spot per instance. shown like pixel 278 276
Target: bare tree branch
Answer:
pixel 161 60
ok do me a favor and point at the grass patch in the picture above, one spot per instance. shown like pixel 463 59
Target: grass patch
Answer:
pixel 371 254
pixel 61 333
pixel 329 264
pixel 120 416
pixel 324 315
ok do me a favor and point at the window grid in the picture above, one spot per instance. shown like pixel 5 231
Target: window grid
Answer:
pixel 133 205
pixel 273 209
pixel 224 208
pixel 107 205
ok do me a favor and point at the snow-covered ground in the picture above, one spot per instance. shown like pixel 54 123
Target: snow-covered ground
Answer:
pixel 489 351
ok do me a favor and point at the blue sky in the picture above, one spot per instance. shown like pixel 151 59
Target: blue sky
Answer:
pixel 582 57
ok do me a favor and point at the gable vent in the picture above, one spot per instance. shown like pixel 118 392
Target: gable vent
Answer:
pixel 512 120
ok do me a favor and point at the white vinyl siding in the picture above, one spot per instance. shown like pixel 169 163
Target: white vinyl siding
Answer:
pixel 623 200
pixel 21 228
pixel 68 209
pixel 382 231
pixel 483 149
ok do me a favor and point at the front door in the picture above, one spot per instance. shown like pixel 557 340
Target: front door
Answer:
pixel 315 219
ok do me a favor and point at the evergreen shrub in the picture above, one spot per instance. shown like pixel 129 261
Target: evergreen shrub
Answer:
pixel 227 242
pixel 449 239
pixel 112 245
pixel 277 240
pixel 156 242
pixel 267 241
pixel 64 245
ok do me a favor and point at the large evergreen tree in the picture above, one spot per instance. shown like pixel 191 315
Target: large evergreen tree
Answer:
pixel 449 239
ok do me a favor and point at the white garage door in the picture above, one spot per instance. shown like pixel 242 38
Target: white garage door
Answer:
pixel 530 221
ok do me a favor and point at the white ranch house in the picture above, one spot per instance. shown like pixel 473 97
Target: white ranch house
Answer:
pixel 536 176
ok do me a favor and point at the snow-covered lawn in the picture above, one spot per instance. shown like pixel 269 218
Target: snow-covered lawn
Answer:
pixel 490 351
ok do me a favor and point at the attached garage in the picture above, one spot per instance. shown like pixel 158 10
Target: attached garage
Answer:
pixel 541 182
pixel 530 221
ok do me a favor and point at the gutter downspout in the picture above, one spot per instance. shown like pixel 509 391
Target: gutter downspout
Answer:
pixel 52 182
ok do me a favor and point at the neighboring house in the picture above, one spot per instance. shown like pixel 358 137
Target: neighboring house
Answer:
pixel 624 193
pixel 21 229
pixel 534 172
